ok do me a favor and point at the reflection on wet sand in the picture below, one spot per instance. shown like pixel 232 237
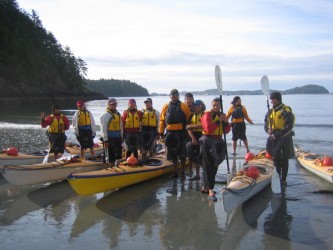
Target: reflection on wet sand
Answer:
pixel 244 218
pixel 185 207
pixel 53 198
pixel 117 208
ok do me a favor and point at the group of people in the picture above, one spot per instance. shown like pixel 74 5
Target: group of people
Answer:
pixel 83 124
pixel 188 130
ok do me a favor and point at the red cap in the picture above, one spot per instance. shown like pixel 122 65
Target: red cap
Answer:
pixel 80 103
pixel 131 101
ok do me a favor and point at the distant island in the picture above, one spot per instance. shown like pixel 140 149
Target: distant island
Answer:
pixel 306 89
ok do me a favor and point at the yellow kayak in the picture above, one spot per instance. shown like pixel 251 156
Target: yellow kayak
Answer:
pixel 118 177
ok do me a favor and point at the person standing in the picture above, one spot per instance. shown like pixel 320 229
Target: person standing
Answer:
pixel 84 128
pixel 57 124
pixel 279 122
pixel 150 122
pixel 194 130
pixel 212 146
pixel 238 114
pixel 112 131
pixel 132 122
pixel 174 117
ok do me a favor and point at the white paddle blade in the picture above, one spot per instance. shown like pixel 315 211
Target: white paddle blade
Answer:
pixel 218 79
pixel 265 85
pixel 46 159
pixel 276 185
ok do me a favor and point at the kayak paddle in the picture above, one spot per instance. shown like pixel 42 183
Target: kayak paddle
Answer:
pixel 275 183
pixel 218 80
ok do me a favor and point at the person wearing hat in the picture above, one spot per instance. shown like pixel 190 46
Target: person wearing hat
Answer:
pixel 57 124
pixel 194 130
pixel 173 119
pixel 112 131
pixel 131 118
pixel 212 146
pixel 150 122
pixel 84 128
pixel 279 122
pixel 238 114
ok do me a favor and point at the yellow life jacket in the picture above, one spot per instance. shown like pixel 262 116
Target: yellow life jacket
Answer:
pixel 57 126
pixel 132 120
pixel 277 118
pixel 196 120
pixel 219 130
pixel 149 118
pixel 84 118
pixel 114 125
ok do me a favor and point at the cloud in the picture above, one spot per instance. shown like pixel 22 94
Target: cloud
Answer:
pixel 163 44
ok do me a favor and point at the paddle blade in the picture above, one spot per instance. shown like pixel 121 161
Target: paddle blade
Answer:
pixel 265 85
pixel 46 159
pixel 218 79
pixel 275 184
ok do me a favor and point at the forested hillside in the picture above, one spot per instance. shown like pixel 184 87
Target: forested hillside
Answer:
pixel 34 66
pixel 113 87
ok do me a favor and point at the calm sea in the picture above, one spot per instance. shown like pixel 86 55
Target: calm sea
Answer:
pixel 170 214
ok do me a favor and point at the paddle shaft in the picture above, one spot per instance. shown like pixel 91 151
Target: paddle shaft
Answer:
pixel 225 139
pixel 46 159
pixel 218 80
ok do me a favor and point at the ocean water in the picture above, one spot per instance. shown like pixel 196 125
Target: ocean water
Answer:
pixel 171 214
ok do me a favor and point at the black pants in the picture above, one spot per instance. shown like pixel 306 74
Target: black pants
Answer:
pixel 212 154
pixel 115 149
pixel 281 150
pixel 133 142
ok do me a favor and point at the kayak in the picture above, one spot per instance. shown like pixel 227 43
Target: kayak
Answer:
pixel 47 172
pixel 311 162
pixel 38 156
pixel 242 187
pixel 118 177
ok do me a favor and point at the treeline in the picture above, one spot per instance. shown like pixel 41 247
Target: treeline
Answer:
pixel 32 61
pixel 114 87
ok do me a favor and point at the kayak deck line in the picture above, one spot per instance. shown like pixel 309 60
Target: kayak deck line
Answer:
pixel 118 173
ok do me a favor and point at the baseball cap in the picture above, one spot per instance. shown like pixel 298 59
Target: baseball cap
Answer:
pixel 148 100
pixel 112 101
pixel 174 92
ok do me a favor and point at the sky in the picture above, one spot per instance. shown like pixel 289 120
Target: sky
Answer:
pixel 166 44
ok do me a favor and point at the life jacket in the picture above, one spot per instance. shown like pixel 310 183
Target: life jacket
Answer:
pixel 219 129
pixel 149 118
pixel 132 120
pixel 174 114
pixel 196 120
pixel 277 118
pixel 114 124
pixel 238 112
pixel 84 120
pixel 57 126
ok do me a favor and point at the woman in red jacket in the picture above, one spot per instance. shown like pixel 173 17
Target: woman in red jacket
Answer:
pixel 212 146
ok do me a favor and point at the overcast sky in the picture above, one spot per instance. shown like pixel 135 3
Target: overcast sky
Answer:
pixel 165 44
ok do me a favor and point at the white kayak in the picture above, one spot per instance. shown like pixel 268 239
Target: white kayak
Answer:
pixel 243 187
pixel 312 162
pixel 38 156
pixel 48 172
